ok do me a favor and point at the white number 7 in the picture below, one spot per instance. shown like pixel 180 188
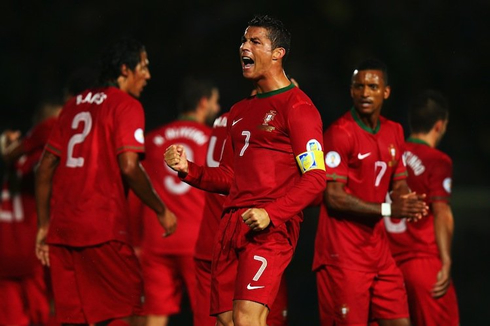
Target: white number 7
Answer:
pixel 262 267
pixel 382 165
pixel 245 133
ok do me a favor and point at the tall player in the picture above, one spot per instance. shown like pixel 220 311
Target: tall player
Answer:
pixel 91 157
pixel 23 291
pixel 423 250
pixel 272 168
pixel 168 263
pixel 356 276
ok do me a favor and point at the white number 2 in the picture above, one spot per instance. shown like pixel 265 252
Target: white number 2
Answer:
pixel 382 165
pixel 86 118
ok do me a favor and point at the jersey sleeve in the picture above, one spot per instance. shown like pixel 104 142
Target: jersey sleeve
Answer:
pixel 305 131
pixel 129 127
pixel 39 135
pixel 54 142
pixel 338 149
pixel 440 179
pixel 400 171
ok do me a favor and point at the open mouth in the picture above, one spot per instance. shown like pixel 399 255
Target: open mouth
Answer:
pixel 247 62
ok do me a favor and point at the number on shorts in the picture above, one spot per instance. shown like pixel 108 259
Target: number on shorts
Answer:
pixel 262 267
pixel 78 138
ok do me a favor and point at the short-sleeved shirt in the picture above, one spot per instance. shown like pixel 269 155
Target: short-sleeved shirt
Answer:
pixel 267 134
pixel 430 173
pixel 213 206
pixel 90 203
pixel 367 161
pixel 185 201
pixel 18 218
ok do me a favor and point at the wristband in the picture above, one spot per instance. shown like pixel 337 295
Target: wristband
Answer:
pixel 385 209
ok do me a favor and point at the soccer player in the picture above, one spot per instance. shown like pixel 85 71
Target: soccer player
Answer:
pixel 23 290
pixel 90 158
pixel 168 263
pixel 272 168
pixel 423 250
pixel 357 278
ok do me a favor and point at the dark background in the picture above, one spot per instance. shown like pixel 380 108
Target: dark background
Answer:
pixel 442 45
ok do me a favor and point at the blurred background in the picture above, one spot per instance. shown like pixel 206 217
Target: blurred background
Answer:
pixel 443 45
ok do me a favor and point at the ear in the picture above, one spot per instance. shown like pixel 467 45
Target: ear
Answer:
pixel 387 92
pixel 438 126
pixel 278 53
pixel 124 70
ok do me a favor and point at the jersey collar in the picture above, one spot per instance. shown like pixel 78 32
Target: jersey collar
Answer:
pixel 417 141
pixel 361 124
pixel 277 91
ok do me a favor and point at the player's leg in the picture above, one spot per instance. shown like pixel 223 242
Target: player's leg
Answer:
pixel 36 296
pixel 163 288
pixel 12 311
pixel 420 276
pixel 203 294
pixel 343 295
pixel 389 304
pixel 279 310
pixel 187 270
pixel 249 313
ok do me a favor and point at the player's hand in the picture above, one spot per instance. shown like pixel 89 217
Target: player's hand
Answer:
pixel 169 222
pixel 443 281
pixel 257 219
pixel 42 249
pixel 176 158
pixel 410 206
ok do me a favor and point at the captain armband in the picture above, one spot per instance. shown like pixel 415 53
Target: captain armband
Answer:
pixel 311 160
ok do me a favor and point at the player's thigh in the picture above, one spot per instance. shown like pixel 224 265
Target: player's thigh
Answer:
pixel 279 310
pixel 163 285
pixel 12 307
pixel 36 296
pixel 420 276
pixel 343 295
pixel 389 297
pixel 203 294
pixel 187 271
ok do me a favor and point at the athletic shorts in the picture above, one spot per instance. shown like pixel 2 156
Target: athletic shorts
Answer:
pixel 355 297
pixel 278 314
pixel 420 276
pixel 164 278
pixel 23 300
pixel 247 265
pixel 203 294
pixel 96 283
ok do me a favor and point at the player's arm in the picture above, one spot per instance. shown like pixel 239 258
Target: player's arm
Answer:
pixel 137 179
pixel 44 177
pixel 444 229
pixel 11 146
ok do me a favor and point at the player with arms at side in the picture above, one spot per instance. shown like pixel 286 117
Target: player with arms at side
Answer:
pixel 168 263
pixel 91 157
pixel 423 250
pixel 357 278
pixel 270 135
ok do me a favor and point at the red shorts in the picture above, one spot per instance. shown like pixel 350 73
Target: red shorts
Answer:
pixel 247 265
pixel 354 297
pixel 97 283
pixel 23 300
pixel 164 278
pixel 420 276
pixel 203 294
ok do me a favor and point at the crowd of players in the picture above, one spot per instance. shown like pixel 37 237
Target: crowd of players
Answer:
pixel 215 212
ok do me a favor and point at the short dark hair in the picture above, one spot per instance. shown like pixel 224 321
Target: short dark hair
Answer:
pixel 278 34
pixel 192 90
pixel 374 64
pixel 123 51
pixel 80 80
pixel 426 109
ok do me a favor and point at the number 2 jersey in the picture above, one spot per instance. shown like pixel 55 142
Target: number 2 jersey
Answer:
pixel 367 161
pixel 90 204
pixel 430 173
pixel 267 135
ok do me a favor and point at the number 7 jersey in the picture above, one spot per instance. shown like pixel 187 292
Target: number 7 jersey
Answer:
pixel 90 204
pixel 366 161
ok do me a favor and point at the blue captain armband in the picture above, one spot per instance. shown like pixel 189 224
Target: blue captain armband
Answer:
pixel 311 160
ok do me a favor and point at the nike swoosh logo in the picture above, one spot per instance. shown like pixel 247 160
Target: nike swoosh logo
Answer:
pixel 363 156
pixel 250 287
pixel 235 122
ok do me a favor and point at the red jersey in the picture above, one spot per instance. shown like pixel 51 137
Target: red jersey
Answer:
pixel 90 203
pixel 429 172
pixel 213 206
pixel 266 133
pixel 185 201
pixel 18 218
pixel 367 161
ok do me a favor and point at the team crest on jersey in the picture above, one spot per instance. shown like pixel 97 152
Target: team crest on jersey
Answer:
pixel 313 145
pixel 332 159
pixel 139 136
pixel 392 150
pixel 447 185
pixel 269 116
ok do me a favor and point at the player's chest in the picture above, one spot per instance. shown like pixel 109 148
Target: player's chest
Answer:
pixel 374 150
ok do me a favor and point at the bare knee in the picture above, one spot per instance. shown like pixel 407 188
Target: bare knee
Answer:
pixel 249 313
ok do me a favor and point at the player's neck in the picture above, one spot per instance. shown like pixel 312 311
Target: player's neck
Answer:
pixel 272 82
pixel 429 138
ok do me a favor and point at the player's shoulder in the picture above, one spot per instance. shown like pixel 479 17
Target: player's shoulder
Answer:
pixel 345 123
